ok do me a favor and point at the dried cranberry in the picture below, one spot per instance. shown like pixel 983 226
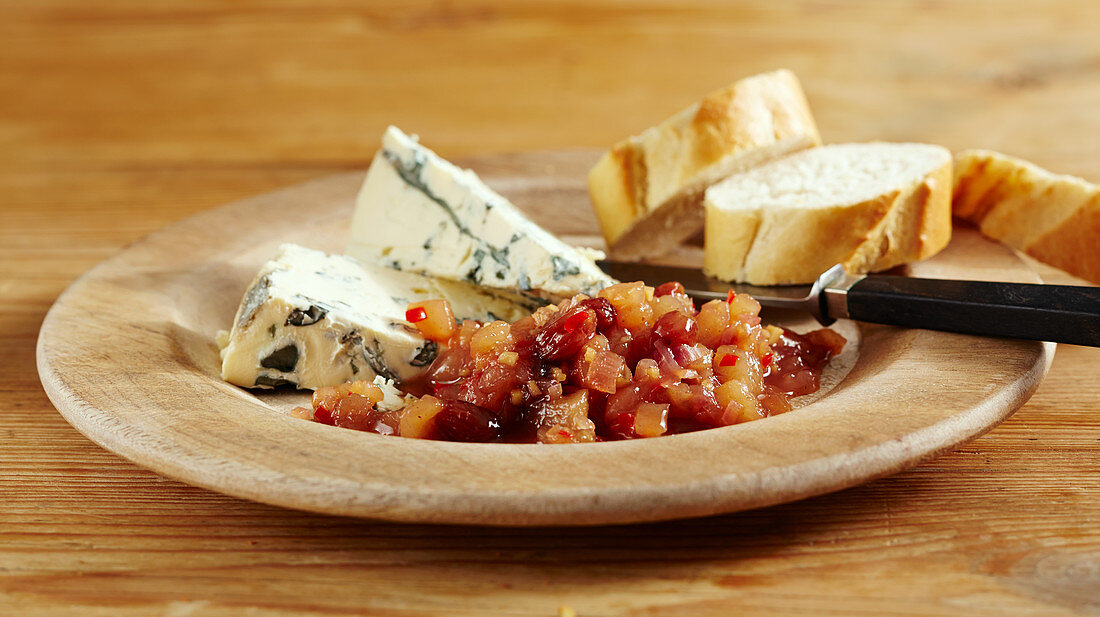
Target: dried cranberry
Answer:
pixel 676 327
pixel 669 288
pixel 641 346
pixel 462 421
pixel 597 405
pixel 605 312
pixel 563 336
pixel 620 426
pixel 322 415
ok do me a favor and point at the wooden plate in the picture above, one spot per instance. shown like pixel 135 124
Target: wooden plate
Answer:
pixel 127 355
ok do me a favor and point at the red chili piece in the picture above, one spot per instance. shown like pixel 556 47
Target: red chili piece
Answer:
pixel 766 360
pixel 730 360
pixel 415 314
pixel 323 416
pixel 575 321
pixel 730 295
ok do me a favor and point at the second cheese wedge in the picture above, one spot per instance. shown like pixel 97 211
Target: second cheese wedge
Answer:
pixel 867 206
pixel 419 213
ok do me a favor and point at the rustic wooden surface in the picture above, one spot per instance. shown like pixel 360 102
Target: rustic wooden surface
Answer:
pixel 118 118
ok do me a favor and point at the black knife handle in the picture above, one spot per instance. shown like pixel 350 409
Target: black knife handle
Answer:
pixel 1060 313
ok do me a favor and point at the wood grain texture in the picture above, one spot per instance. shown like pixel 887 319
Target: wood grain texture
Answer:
pixel 120 117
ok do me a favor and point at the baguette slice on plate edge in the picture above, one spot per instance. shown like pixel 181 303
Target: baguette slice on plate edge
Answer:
pixel 867 206
pixel 647 190
pixel 1053 218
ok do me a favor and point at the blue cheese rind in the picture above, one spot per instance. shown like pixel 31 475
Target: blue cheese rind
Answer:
pixel 310 319
pixel 419 213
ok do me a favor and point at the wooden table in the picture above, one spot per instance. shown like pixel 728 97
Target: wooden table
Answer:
pixel 117 118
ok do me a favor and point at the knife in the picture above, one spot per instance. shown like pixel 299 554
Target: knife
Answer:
pixel 1058 313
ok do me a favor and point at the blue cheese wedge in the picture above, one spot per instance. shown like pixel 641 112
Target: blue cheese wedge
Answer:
pixel 310 319
pixel 419 213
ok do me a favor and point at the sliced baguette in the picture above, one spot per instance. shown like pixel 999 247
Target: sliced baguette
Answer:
pixel 647 191
pixel 867 206
pixel 1054 218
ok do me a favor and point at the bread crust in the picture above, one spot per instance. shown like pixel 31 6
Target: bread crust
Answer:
pixel 1073 246
pixel 795 245
pixel 1054 218
pixel 647 190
